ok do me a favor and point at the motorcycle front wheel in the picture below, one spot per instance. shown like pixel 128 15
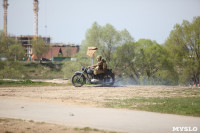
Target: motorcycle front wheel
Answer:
pixel 78 80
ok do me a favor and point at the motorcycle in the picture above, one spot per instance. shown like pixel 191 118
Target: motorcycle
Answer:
pixel 80 78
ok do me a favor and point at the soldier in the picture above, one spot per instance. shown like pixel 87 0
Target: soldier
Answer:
pixel 98 68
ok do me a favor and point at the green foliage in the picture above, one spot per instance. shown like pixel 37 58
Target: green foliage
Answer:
pixel 106 39
pixel 123 61
pixel 23 83
pixel 11 69
pixel 184 47
pixel 10 48
pixel 70 67
pixel 143 60
pixel 35 70
pixel 39 47
pixel 29 70
pixel 16 52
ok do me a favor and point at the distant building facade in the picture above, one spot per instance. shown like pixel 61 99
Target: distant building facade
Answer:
pixel 26 42
pixel 56 50
pixel 61 50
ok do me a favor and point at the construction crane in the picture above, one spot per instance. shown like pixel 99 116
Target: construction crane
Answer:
pixel 35 10
pixel 5 7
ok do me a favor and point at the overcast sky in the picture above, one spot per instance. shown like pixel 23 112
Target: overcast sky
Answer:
pixel 67 21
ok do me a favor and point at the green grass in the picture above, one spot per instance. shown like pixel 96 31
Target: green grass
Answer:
pixel 7 83
pixel 8 132
pixel 174 105
pixel 88 129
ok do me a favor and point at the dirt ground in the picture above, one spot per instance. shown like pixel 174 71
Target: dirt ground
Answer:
pixel 8 125
pixel 95 96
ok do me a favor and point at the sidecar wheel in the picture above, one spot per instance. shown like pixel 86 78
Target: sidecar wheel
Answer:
pixel 78 80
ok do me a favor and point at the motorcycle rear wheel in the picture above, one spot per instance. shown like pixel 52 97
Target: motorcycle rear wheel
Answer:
pixel 109 79
pixel 78 80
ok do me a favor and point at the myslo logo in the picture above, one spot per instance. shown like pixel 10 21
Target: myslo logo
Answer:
pixel 185 129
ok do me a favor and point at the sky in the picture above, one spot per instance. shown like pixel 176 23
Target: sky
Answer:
pixel 66 21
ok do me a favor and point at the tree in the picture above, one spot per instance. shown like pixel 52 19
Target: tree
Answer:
pixel 11 48
pixel 184 46
pixel 123 61
pixel 15 52
pixel 40 47
pixel 106 39
pixel 144 59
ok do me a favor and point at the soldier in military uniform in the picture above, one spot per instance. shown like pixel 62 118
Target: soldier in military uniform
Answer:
pixel 98 68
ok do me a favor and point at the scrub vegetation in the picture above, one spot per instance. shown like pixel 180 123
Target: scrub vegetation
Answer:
pixel 173 105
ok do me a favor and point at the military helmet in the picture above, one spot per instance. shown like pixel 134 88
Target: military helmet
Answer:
pixel 99 56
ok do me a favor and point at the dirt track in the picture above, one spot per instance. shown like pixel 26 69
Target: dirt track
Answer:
pixel 93 95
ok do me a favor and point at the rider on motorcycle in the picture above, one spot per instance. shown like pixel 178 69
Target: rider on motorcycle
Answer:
pixel 99 68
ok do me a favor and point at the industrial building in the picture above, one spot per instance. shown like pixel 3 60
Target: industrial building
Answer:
pixel 26 42
pixel 56 50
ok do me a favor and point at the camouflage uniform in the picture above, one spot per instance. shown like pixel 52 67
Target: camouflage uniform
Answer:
pixel 99 68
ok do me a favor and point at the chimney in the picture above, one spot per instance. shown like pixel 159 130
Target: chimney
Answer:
pixel 35 10
pixel 5 7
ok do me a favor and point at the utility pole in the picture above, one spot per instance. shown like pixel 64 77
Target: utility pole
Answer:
pixel 35 10
pixel 5 7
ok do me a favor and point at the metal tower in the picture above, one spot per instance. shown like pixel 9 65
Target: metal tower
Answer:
pixel 35 10
pixel 5 7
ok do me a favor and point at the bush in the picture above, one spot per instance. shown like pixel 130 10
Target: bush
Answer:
pixel 12 69
pixel 70 67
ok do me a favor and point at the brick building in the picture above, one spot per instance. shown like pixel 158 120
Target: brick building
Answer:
pixel 61 50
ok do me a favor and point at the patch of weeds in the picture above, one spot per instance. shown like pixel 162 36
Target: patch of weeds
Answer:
pixel 8 132
pixel 28 82
pixel 4 120
pixel 31 121
pixel 96 129
pixel 87 129
pixel 76 129
pixel 40 123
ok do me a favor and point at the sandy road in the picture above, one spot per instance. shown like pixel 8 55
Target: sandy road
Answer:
pixel 100 118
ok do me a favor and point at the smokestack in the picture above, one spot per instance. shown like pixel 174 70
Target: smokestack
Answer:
pixel 5 7
pixel 35 10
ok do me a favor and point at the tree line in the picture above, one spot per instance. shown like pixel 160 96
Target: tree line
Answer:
pixel 175 62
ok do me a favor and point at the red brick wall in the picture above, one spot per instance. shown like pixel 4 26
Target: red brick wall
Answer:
pixel 67 51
